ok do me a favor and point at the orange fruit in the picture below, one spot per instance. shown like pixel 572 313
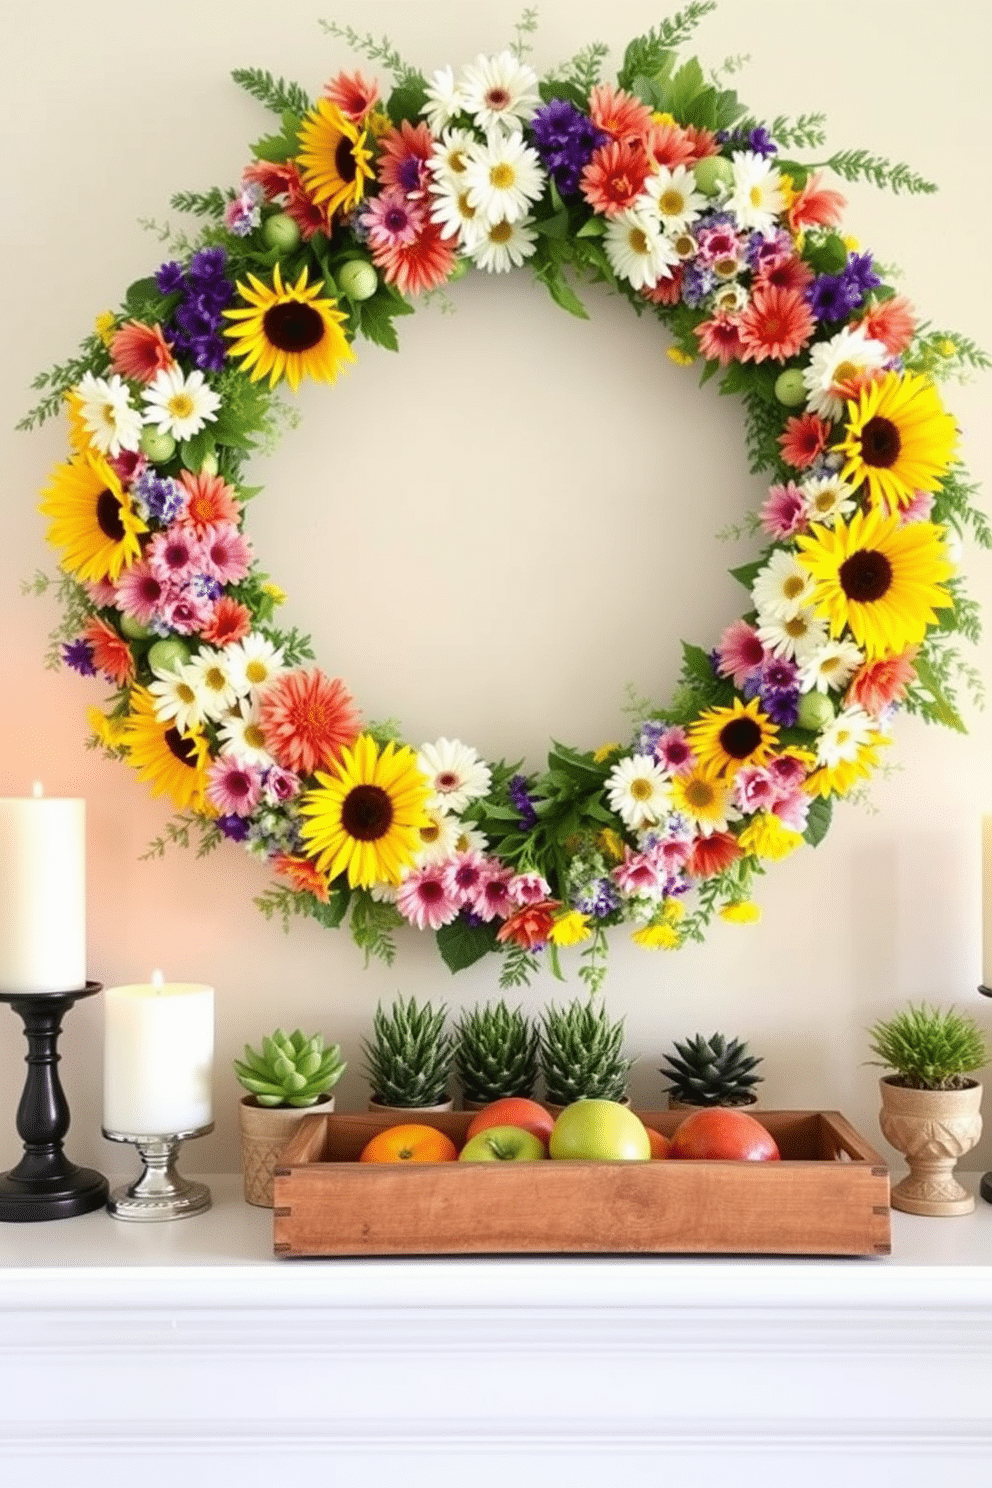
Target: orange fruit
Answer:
pixel 659 1144
pixel 411 1142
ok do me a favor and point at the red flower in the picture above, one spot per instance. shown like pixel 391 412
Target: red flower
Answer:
pixel 530 925
pixel 231 622
pixel 615 177
pixel 776 324
pixel 713 854
pixel 307 719
pixel 804 438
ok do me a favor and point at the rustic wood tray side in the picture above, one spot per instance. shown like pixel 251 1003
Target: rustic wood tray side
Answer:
pixel 829 1196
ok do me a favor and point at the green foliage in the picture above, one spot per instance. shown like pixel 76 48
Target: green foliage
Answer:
pixel 278 95
pixel 580 73
pixel 201 203
pixel 376 49
pixel 495 1052
pixel 805 131
pixel 929 1048
pixel 180 831
pixel 581 1053
pixel 462 944
pixel 372 925
pixel 711 1072
pixel 521 45
pixel 409 1058
pixel 861 165
pixel 290 1069
pixel 649 55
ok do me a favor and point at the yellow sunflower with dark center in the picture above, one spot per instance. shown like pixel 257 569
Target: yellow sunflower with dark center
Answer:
pixel 365 817
pixel 92 519
pixel 288 331
pixel 899 439
pixel 334 160
pixel 877 578
pixel 724 739
pixel 172 763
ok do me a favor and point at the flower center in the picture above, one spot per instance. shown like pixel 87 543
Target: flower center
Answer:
pixel 498 98
pixel 430 834
pixel 367 813
pixel 465 208
pixel 866 576
pixel 844 373
pixel 755 196
pixel 183 748
pixel 293 325
pixel 700 794
pixel 880 442
pixel 671 202
pixel 214 679
pixel 641 789
pixel 256 672
pixel 181 406
pixel 446 780
pixel 501 232
pixel 396 219
pixel 108 516
pixel 502 176
pixel 430 891
pixel 796 627
pixel 793 586
pixel 185 693
pixel 344 160
pixel 237 783
pixel 638 241
pixel 254 737
pixel 740 738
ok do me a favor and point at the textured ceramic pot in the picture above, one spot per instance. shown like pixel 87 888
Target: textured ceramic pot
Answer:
pixel 743 1105
pixel 265 1130
pixel 408 1113
pixel 932 1129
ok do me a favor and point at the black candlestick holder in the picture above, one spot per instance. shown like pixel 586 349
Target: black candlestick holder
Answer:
pixel 45 1184
pixel 985 1187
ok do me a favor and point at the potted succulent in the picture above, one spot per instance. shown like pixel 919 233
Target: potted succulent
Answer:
pixel 711 1072
pixel 495 1054
pixel 581 1054
pixel 930 1103
pixel 285 1079
pixel 409 1058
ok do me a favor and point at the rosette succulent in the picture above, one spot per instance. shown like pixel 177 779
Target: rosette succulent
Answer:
pixel 495 1053
pixel 409 1057
pixel 581 1054
pixel 711 1072
pixel 290 1069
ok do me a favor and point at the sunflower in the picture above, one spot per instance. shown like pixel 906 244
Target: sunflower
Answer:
pixel 877 578
pixel 899 438
pixel 365 817
pixel 841 778
pixel 288 332
pixel 92 519
pixel 703 798
pixel 334 161
pixel 724 739
pixel 174 764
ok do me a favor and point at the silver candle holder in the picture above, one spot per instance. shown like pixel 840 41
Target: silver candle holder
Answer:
pixel 160 1192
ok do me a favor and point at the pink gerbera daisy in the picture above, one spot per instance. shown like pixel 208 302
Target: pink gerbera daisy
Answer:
pixel 619 114
pixel 103 593
pixel 879 684
pixel 209 500
pixel 674 751
pixel 174 554
pixel 805 438
pixel 139 593
pixel 140 351
pixel 783 514
pixel 754 789
pixel 740 653
pixel 234 787
pixel 403 158
pixel 465 873
pixel 720 338
pixel 185 611
pixel 418 266
pixel 672 854
pixel 529 888
pixel 355 97
pixel 892 322
pixel 776 324
pixel 280 785
pixel 231 622
pixel 638 874
pixel 792 809
pixel 391 221
pixel 307 719
pixel 492 895
pixel 615 177
pixel 816 206
pixel 111 653
pixel 425 900
pixel 226 553
pixel 789 272
pixel 788 770
pixel 309 216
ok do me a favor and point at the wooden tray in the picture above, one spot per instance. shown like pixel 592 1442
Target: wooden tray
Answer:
pixel 828 1196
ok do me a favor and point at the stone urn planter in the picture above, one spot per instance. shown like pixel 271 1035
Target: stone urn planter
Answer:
pixel 932 1129
pixel 265 1130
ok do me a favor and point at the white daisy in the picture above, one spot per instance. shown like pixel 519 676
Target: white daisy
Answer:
pixel 500 92
pixel 796 636
pixel 639 791
pixel 177 699
pixel 836 361
pixel 440 839
pixel 470 839
pixel 731 298
pixel 444 100
pixel 453 210
pixel 827 497
pixel 208 674
pixel 180 405
pixel 503 177
pixel 782 588
pixel 842 739
pixel 450 157
pixel 673 196
pixel 456 772
pixel 241 735
pixel 111 419
pixel 830 667
pixel 253 663
pixel 757 197
pixel 638 250
pixel 503 246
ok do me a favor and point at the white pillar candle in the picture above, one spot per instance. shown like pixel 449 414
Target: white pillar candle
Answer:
pixel 158 1057
pixel 987 901
pixel 42 894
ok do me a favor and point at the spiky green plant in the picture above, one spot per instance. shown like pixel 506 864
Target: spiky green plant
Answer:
pixel 495 1053
pixel 581 1053
pixel 290 1069
pixel 410 1055
pixel 929 1048
pixel 711 1072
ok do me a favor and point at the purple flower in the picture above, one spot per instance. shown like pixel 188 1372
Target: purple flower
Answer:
pixel 601 898
pixel 234 827
pixel 761 141
pixel 779 674
pixel 170 278
pixel 860 273
pixel 697 283
pixel 79 655
pixel 520 800
pixel 832 297
pixel 648 737
pixel 565 139
pixel 207 266
pixel 782 707
pixel 161 494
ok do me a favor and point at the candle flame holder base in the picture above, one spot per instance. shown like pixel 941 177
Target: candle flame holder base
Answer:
pixel 45 1184
pixel 985 1187
pixel 160 1192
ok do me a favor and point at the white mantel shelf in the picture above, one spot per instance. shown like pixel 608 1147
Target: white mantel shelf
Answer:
pixel 186 1351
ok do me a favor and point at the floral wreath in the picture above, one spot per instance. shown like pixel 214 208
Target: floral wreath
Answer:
pixel 661 186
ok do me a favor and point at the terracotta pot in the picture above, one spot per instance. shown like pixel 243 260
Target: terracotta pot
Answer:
pixel 932 1129
pixel 408 1113
pixel 265 1130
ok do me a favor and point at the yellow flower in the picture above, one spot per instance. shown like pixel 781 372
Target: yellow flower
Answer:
pixel 105 325
pixel 657 118
pixel 108 727
pixel 724 739
pixel 679 357
pixel 174 764
pixel 91 519
pixel 768 837
pixel 288 331
pixel 850 243
pixel 569 929
pixel 899 439
pixel 788 190
pixel 605 751
pixel 658 937
pixel 612 844
pixel 673 910
pixel 840 778
pixel 744 912
pixel 334 160
pixel 947 347
pixel 272 591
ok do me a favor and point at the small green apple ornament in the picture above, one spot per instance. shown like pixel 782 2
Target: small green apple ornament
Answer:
pixel 358 279
pixel 209 465
pixel 281 232
pixel 167 654
pixel 502 1144
pixel 713 173
pixel 156 444
pixel 133 629
pixel 816 711
pixel 602 1130
pixel 790 388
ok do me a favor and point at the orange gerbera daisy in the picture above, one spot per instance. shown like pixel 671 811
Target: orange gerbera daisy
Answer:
pixel 776 324
pixel 209 500
pixel 403 156
pixel 111 653
pixel 615 176
pixel 420 266
pixel 667 144
pixel 307 719
pixel 713 854
pixel 529 926
pixel 882 682
pixel 231 622
pixel 353 95
pixel 805 437
pixel 816 206
pixel 304 876
pixel 619 114
pixel 892 322
pixel 140 351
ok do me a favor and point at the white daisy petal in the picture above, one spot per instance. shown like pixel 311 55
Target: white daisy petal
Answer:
pixel 638 250
pixel 830 667
pixel 836 361
pixel 111 420
pixel 180 405
pixel 783 587
pixel 500 92
pixel 757 197
pixel 503 246
pixel 639 791
pixel 456 772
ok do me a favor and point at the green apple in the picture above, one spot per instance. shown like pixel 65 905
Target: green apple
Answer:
pixel 209 465
pixel 133 629
pixel 790 388
pixel 712 173
pixel 600 1129
pixel 157 444
pixel 281 232
pixel 502 1144
pixel 816 711
pixel 358 279
pixel 167 654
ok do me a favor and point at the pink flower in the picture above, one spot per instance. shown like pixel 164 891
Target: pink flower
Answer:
pixel 528 888
pixel 492 895
pixel 127 465
pixel 174 555
pixel 425 900
pixel 788 771
pixel 881 683
pixel 892 322
pixel 103 594
pixel 672 854
pixel 140 352
pixel 754 789
pixel 674 751
pixel 776 325
pixel 139 593
pixel 353 95
pixel 234 787
pixel 615 177
pixel 792 809
pixel 919 509
pixel 230 622
pixel 639 873
pixel 185 611
pixel 420 266
pixel 740 653
pixel 391 221
pixel 403 157
pixel 465 874
pixel 720 338
pixel 784 512
pixel 716 243
pixel 804 439
pixel 816 206
pixel 226 553
pixel 619 114
pixel 280 785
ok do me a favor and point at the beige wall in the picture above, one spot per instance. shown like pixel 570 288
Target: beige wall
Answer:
pixel 533 502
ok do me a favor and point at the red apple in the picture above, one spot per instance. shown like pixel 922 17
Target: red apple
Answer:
pixel 513 1110
pixel 720 1132
pixel 659 1144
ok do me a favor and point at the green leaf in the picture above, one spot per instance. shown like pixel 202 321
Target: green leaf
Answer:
pixel 943 710
pixel 407 101
pixel 461 945
pixel 562 292
pixel 696 662
pixel 376 318
pixel 553 227
pixel 276 149
pixel 748 572
pixel 818 819
pixel 561 89
pixel 828 257
pixel 581 768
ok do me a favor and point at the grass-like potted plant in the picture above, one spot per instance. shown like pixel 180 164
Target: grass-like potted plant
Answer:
pixel 495 1054
pixel 711 1072
pixel 930 1102
pixel 581 1054
pixel 285 1080
pixel 409 1058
